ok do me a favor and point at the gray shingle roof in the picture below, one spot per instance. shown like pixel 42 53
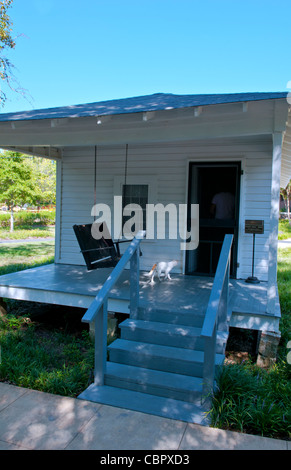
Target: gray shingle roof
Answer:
pixel 156 102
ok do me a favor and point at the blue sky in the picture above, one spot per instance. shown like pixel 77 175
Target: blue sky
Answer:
pixel 71 52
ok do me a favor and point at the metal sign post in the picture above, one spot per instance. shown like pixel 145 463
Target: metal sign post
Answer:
pixel 254 227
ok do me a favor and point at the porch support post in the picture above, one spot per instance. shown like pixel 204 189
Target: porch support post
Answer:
pixel 274 219
pixel 59 189
pixel 134 283
pixel 209 364
pixel 100 344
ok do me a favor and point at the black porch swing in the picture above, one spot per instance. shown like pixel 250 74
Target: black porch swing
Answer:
pixel 100 252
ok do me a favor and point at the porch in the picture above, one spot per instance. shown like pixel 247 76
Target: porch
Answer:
pixel 71 285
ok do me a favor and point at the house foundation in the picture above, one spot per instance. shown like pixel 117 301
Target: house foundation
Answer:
pixel 268 342
pixel 3 307
pixel 112 328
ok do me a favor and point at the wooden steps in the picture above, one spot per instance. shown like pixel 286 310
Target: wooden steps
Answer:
pixel 156 366
pixel 158 357
pixel 181 336
pixel 145 403
pixel 153 382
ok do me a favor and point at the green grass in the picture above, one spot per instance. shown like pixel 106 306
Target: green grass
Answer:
pixel 254 400
pixel 284 287
pixel 16 256
pixel 24 233
pixel 53 361
pixel 42 347
pixel 284 229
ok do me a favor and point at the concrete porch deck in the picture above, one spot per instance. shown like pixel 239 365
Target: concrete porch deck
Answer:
pixel 72 285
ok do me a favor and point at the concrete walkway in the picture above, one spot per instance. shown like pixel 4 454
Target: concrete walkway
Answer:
pixel 5 241
pixel 31 420
pixel 284 243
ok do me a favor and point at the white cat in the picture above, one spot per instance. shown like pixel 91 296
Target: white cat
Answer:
pixel 163 268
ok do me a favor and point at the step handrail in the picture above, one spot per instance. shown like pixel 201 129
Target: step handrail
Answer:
pixel 216 313
pixel 96 315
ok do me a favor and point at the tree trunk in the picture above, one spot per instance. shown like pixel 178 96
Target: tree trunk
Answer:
pixel 288 202
pixel 11 219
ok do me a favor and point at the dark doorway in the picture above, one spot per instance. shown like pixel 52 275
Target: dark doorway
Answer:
pixel 205 181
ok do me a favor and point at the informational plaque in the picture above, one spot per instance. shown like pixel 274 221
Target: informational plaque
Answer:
pixel 255 227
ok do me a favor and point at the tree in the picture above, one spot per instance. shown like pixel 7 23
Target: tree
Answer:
pixel 44 172
pixel 6 43
pixel 17 184
pixel 286 194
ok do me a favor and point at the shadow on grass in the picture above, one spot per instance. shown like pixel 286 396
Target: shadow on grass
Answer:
pixel 17 257
pixel 28 249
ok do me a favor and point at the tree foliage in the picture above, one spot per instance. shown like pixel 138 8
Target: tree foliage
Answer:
pixel 44 173
pixel 17 183
pixel 6 42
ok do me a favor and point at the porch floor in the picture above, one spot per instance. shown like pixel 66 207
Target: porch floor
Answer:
pixel 71 285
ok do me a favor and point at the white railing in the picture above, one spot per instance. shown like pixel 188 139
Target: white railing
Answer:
pixel 96 314
pixel 216 313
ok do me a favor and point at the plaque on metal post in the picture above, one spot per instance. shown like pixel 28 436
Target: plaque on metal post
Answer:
pixel 256 227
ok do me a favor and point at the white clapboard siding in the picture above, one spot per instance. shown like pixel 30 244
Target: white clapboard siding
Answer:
pixel 256 205
pixel 168 165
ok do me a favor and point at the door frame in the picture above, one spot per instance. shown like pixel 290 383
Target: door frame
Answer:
pixel 213 161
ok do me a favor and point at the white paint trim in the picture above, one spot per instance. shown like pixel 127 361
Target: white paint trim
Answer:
pixel 59 190
pixel 274 218
pixel 252 321
pixel 60 298
pixel 149 180
pixel 241 219
pixel 167 126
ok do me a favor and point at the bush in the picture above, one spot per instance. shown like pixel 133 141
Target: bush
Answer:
pixel 26 218
pixel 253 400
pixel 50 361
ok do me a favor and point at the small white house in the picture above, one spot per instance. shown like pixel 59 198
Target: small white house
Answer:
pixel 166 149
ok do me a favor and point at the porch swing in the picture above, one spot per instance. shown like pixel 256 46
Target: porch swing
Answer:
pixel 101 252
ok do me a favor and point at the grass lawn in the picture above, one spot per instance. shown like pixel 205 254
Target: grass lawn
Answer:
pixel 43 347
pixel 47 348
pixel 16 256
pixel 284 229
pixel 27 232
